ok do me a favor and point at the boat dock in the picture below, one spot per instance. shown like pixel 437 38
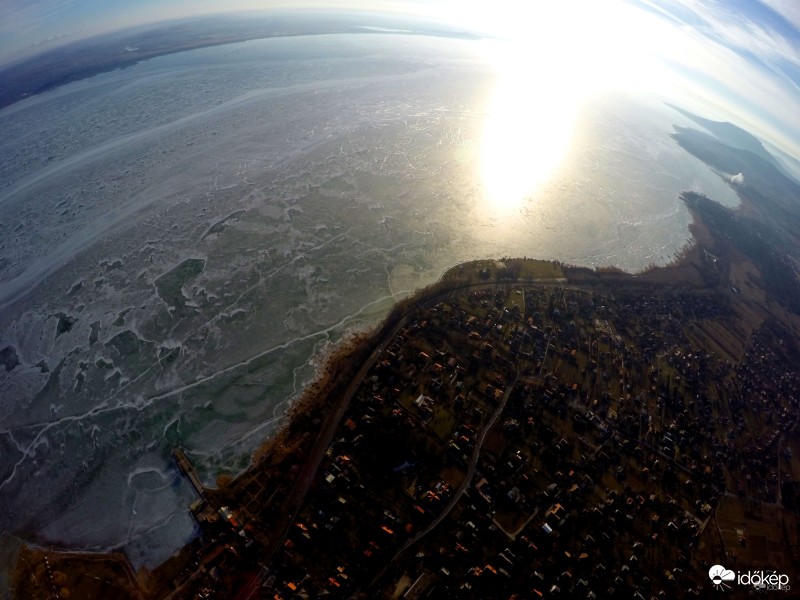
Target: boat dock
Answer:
pixel 187 469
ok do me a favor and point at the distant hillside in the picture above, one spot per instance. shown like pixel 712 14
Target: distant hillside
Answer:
pixel 89 57
pixel 730 134
pixel 765 183
pixel 791 166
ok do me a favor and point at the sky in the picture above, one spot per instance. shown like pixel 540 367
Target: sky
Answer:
pixel 740 59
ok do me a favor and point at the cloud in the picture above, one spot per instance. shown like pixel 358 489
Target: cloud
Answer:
pixel 743 59
pixel 738 180
pixel 787 9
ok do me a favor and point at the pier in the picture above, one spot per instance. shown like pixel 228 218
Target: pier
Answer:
pixel 187 469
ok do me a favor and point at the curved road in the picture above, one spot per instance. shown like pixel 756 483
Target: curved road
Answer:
pixel 325 437
pixel 473 465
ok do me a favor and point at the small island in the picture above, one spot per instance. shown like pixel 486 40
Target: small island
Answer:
pixel 521 428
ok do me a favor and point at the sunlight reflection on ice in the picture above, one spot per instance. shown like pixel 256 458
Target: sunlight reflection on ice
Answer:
pixel 548 65
pixel 527 132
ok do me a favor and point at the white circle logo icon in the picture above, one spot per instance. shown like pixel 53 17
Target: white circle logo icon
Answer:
pixel 719 576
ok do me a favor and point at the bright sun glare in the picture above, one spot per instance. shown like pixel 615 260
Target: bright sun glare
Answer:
pixel 527 131
pixel 551 58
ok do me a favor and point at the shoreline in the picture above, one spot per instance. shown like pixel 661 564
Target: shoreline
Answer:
pixel 329 364
pixel 289 457
pixel 328 368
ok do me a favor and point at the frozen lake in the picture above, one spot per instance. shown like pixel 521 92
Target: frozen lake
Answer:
pixel 180 239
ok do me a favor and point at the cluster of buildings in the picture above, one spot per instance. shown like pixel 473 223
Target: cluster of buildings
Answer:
pixel 521 442
pixel 530 442
pixel 510 440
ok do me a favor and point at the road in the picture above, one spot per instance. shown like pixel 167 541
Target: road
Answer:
pixel 297 496
pixel 323 441
pixel 472 468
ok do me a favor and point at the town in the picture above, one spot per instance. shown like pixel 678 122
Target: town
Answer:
pixel 519 430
